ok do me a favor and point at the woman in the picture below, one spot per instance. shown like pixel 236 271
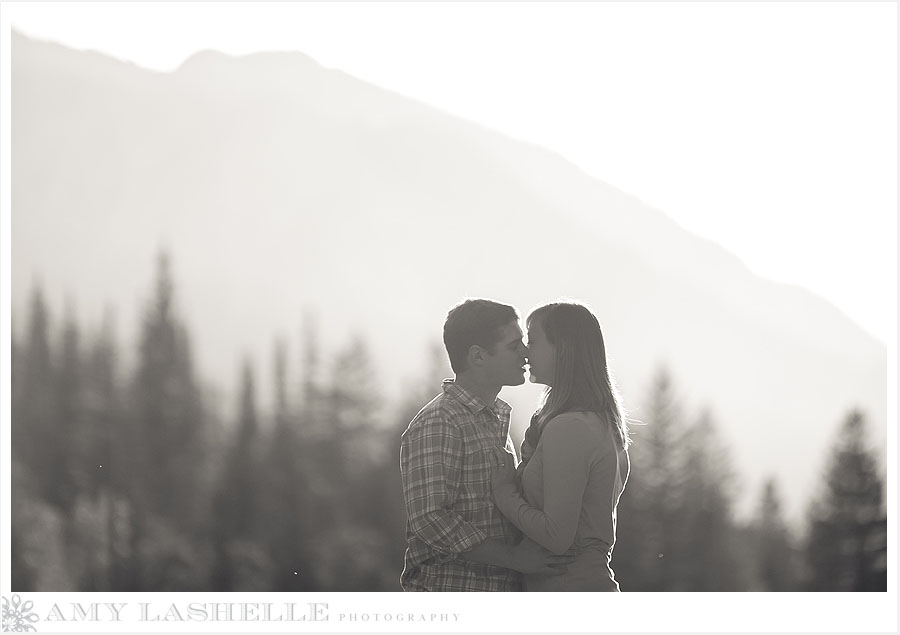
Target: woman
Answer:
pixel 574 457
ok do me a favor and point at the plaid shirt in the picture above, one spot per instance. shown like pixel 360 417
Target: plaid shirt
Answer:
pixel 445 467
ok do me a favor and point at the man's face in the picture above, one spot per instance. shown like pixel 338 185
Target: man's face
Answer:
pixel 505 364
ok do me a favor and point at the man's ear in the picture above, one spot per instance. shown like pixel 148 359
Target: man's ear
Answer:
pixel 475 356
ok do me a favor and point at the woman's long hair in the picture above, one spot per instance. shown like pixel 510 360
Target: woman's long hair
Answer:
pixel 581 380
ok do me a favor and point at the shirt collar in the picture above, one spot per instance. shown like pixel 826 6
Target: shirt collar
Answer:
pixel 470 401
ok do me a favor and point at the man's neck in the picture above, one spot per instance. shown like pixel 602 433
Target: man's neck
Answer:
pixel 488 394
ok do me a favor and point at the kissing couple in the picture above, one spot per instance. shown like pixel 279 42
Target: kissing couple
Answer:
pixel 477 518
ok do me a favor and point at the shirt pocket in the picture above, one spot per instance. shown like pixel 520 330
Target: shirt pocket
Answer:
pixel 476 479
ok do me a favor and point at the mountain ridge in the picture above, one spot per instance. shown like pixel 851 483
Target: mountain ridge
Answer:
pixel 378 213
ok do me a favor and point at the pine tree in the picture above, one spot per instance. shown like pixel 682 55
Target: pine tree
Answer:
pixel 280 381
pixel 847 542
pixel 352 548
pixel 68 470
pixel 351 444
pixel 103 447
pixel 33 419
pixel 644 557
pixel 705 556
pixel 353 398
pixel 775 555
pixel 242 467
pixel 104 434
pixel 310 389
pixel 168 415
pixel 21 573
pixel 17 375
pixel 237 505
pixel 286 497
pixel 167 505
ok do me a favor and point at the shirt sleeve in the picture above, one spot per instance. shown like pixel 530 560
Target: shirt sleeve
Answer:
pixel 566 467
pixel 431 464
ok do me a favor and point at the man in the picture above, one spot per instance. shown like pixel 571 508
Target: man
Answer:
pixel 457 539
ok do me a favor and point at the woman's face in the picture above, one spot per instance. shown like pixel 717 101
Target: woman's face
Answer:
pixel 541 355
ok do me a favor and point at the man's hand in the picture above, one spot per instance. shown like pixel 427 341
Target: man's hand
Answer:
pixel 530 557
pixel 526 557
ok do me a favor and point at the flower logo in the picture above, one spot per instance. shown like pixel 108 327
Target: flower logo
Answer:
pixel 17 616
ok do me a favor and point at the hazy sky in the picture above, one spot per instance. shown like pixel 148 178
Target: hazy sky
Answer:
pixel 767 127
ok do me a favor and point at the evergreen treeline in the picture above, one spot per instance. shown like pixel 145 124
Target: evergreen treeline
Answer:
pixel 139 480
pixel 676 530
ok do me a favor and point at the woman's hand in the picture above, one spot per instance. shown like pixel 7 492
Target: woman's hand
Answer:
pixel 503 475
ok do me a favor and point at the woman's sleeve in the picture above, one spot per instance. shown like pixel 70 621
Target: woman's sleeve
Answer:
pixel 566 458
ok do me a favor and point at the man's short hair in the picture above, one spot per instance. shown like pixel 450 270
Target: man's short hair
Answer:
pixel 474 322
